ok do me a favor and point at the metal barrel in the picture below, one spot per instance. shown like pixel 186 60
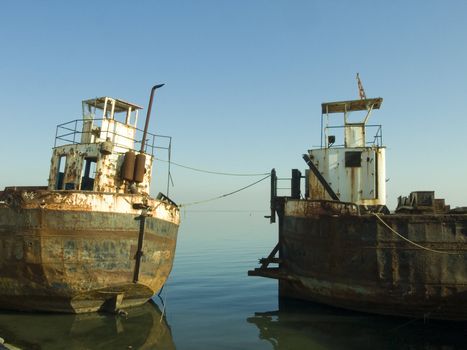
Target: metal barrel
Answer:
pixel 128 167
pixel 139 167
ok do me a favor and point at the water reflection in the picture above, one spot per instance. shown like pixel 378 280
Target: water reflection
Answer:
pixel 142 328
pixel 298 325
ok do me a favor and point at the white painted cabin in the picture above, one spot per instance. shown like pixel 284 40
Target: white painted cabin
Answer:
pixel 89 152
pixel 355 168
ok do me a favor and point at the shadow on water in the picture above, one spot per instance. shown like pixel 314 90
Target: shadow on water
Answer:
pixel 142 328
pixel 300 325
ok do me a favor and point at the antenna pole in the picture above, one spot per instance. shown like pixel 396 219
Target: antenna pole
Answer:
pixel 361 91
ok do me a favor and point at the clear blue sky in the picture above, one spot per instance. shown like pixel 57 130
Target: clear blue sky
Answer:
pixel 245 80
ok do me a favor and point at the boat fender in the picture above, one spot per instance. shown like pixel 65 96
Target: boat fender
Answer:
pixel 128 166
pixel 139 167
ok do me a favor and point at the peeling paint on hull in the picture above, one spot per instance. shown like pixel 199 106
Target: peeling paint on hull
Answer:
pixel 65 256
pixel 331 254
pixel 356 263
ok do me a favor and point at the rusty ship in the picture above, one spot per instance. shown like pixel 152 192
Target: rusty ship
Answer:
pixel 340 245
pixel 93 239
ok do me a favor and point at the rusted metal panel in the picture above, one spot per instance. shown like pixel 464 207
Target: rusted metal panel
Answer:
pixel 321 188
pixel 331 253
pixel 301 208
pixel 107 177
pixel 364 184
pixel 353 261
pixel 88 201
pixel 80 258
pixel 316 189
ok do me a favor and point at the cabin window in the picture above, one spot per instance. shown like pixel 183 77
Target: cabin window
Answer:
pixel 88 174
pixel 60 172
pixel 353 159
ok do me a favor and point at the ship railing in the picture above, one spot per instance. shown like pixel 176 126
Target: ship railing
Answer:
pixel 283 188
pixel 280 190
pixel 377 140
pixel 287 187
pixel 72 131
pixel 294 192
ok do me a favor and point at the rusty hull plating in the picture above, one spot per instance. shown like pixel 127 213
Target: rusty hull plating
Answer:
pixel 76 245
pixel 339 244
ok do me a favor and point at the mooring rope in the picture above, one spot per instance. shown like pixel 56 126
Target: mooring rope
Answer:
pixel 412 242
pixel 210 171
pixel 224 195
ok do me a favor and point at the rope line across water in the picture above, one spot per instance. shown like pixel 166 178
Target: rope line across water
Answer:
pixel 209 171
pixel 224 195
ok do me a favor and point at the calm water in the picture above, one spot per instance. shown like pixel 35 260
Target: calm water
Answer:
pixel 211 303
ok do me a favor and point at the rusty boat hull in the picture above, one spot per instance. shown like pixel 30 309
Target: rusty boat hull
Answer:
pixel 76 251
pixel 332 254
